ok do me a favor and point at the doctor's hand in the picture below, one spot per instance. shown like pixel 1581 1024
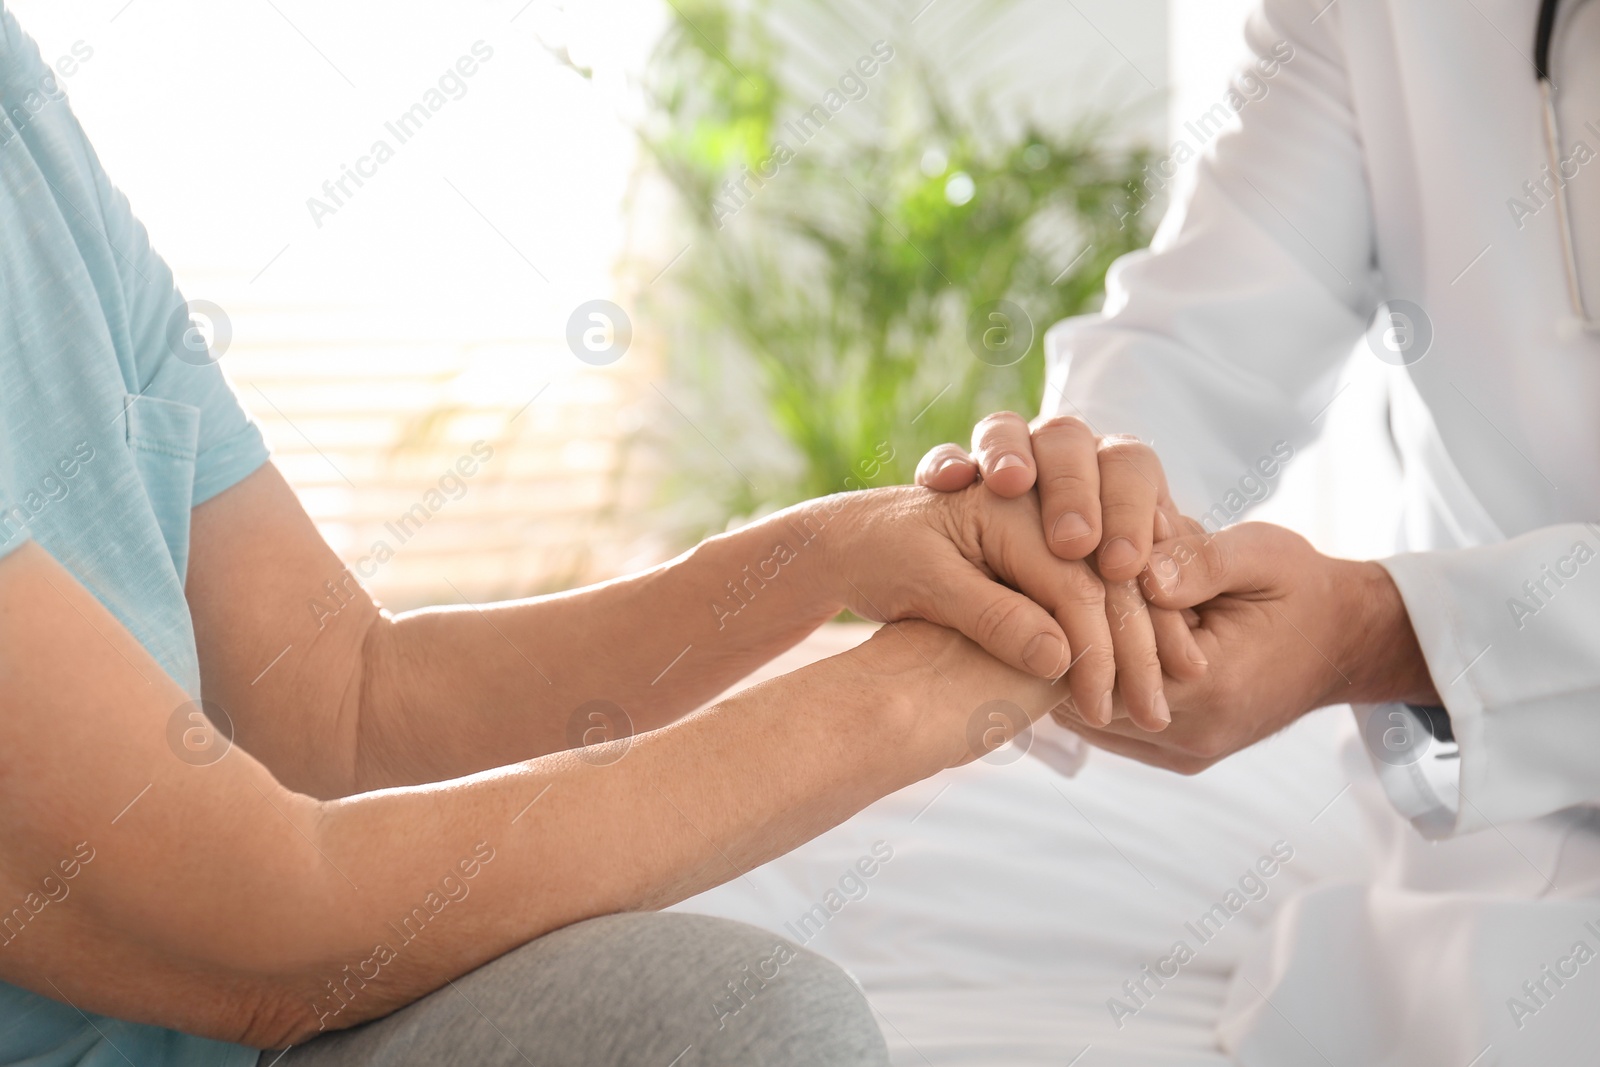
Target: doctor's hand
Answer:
pixel 1286 630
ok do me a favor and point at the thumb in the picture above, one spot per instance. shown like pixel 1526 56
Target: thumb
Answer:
pixel 1196 566
pixel 1009 626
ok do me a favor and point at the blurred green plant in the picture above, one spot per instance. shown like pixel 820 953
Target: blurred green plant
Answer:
pixel 817 327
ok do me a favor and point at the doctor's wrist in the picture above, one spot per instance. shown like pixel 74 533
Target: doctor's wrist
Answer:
pixel 1386 658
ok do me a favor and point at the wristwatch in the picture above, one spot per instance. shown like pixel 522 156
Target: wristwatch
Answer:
pixel 1418 762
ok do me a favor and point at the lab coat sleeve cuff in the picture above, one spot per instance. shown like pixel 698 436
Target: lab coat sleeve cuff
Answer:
pixel 1518 671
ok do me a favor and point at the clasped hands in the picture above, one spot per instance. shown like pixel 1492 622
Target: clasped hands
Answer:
pixel 1179 646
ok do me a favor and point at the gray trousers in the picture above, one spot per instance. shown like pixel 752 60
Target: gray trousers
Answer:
pixel 636 990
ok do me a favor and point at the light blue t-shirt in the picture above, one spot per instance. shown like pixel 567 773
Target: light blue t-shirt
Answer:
pixel 107 439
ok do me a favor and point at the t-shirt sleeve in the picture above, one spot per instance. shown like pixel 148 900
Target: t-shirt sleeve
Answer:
pixel 13 524
pixel 177 347
pixel 170 348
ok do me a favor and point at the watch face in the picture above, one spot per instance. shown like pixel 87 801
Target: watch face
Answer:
pixel 1397 735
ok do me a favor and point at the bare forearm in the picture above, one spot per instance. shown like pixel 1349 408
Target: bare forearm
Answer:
pixel 688 807
pixel 336 697
pixel 452 691
pixel 221 903
pixel 391 894
pixel 683 809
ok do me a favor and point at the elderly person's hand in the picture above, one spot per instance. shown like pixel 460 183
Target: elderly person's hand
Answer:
pixel 1103 498
pixel 978 563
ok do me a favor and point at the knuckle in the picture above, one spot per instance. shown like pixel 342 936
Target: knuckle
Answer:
pixel 1090 677
pixel 1133 520
pixel 1124 447
pixel 1082 588
pixel 1066 427
pixel 1122 621
pixel 1095 665
pixel 1280 538
pixel 1124 606
pixel 1001 615
pixel 1138 663
pixel 1214 557
pixel 1063 482
pixel 1001 422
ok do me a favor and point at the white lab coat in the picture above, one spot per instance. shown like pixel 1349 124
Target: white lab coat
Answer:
pixel 1385 160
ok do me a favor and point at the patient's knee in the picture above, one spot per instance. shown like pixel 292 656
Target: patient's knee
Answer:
pixel 786 1004
pixel 744 995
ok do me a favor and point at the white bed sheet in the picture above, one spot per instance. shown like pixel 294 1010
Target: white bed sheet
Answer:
pixel 1017 902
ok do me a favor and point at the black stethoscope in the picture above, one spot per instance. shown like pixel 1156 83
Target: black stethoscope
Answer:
pixel 1544 35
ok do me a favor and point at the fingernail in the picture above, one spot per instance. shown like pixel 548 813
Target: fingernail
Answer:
pixel 1105 710
pixel 1009 460
pixel 1045 655
pixel 1118 552
pixel 1197 657
pixel 1069 527
pixel 1164 569
pixel 1163 527
pixel 1160 709
pixel 945 465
